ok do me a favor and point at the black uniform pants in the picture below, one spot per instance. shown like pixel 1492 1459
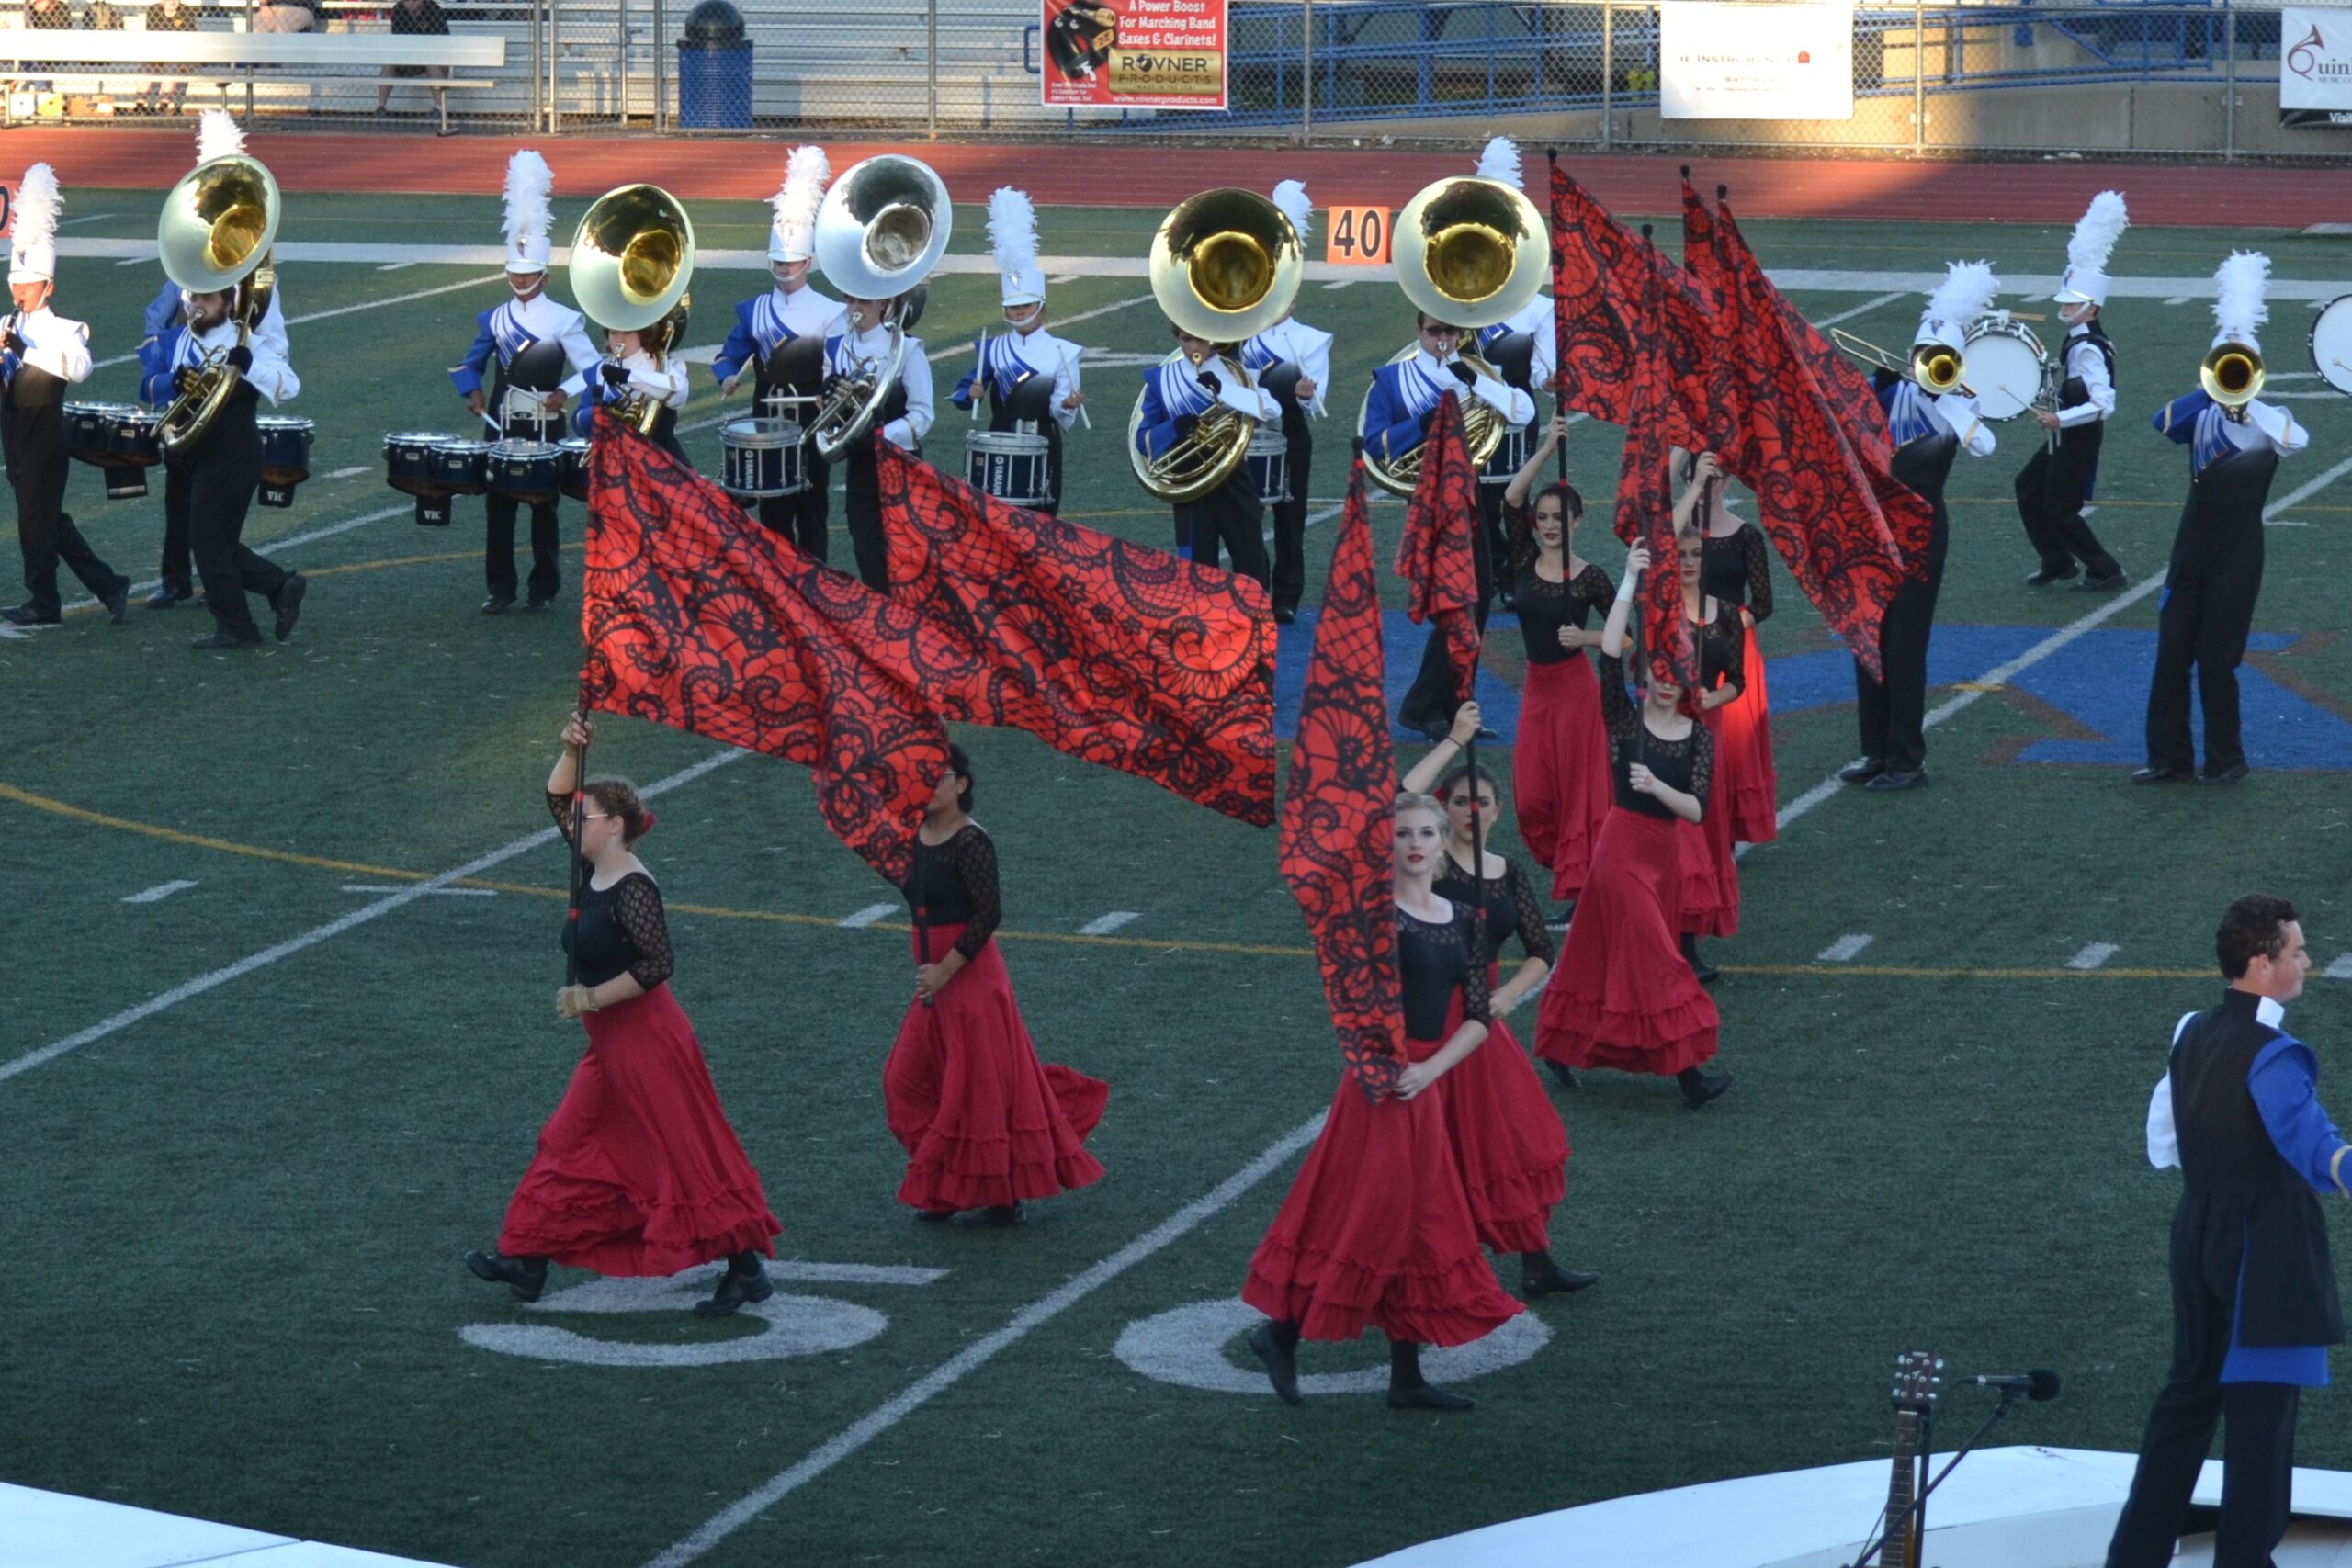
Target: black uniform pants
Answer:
pixel 2209 608
pixel 1892 710
pixel 1289 583
pixel 205 502
pixel 498 554
pixel 863 492
pixel 1231 515
pixel 802 518
pixel 35 438
pixel 2258 1454
pixel 1436 692
pixel 2050 489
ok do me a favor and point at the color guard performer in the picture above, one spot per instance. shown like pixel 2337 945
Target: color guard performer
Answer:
pixel 1291 341
pixel 1735 569
pixel 2253 1298
pixel 792 309
pixel 1538 323
pixel 1929 431
pixel 2053 484
pixel 41 353
pixel 534 341
pixel 1029 376
pixel 2234 441
pixel 1175 395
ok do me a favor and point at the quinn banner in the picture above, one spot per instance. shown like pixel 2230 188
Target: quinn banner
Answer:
pixel 1134 54
pixel 2314 67
pixel 1733 61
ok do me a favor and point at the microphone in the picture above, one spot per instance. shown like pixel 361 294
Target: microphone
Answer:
pixel 2038 1385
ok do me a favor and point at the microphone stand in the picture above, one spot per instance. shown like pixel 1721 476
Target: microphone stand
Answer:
pixel 1919 1504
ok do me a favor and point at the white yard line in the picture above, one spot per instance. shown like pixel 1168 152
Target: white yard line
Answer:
pixel 157 893
pixel 346 310
pixel 1103 925
pixel 438 892
pixel 956 1367
pixel 214 978
pixel 865 917
pixel 289 542
pixel 2093 955
pixel 1843 949
pixel 1862 309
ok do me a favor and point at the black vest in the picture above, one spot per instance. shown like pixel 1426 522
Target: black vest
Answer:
pixel 2242 1206
pixel 2223 514
pixel 1925 466
pixel 2085 438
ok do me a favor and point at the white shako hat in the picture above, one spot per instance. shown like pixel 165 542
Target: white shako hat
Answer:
pixel 1013 241
pixel 2238 308
pixel 1500 162
pixel 793 235
pixel 2086 281
pixel 529 184
pixel 217 136
pixel 32 251
pixel 1966 293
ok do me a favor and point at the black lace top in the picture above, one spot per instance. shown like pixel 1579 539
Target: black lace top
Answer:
pixel 1738 568
pixel 1511 908
pixel 621 928
pixel 953 883
pixel 1688 764
pixel 1544 607
pixel 1433 962
pixel 1723 648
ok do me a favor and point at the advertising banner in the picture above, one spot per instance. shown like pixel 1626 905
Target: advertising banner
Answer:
pixel 1784 61
pixel 2314 67
pixel 1156 54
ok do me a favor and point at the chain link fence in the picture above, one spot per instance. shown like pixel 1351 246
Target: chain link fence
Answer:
pixel 2093 76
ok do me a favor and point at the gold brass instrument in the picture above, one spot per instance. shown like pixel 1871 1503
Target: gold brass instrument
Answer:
pixel 218 225
pixel 1932 367
pixel 882 226
pixel 1225 265
pixel 2232 374
pixel 632 259
pixel 1469 253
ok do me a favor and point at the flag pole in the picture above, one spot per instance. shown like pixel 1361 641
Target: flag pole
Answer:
pixel 1559 336
pixel 578 857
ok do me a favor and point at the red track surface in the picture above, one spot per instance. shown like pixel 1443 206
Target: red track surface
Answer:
pixel 1159 176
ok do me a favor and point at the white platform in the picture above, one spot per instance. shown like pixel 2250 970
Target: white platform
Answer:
pixel 50 1530
pixel 2016 1508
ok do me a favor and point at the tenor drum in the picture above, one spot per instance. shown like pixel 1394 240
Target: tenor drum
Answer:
pixel 762 457
pixel 409 465
pixel 85 430
pixel 572 468
pixel 462 466
pixel 284 458
pixel 2331 344
pixel 526 470
pixel 1010 465
pixel 131 440
pixel 1269 463
pixel 2004 367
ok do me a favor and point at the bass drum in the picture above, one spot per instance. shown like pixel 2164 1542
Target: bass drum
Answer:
pixel 2331 344
pixel 1011 465
pixel 284 458
pixel 2004 363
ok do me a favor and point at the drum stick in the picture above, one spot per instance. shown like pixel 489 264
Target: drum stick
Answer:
pixel 1070 368
pixel 487 420
pixel 980 372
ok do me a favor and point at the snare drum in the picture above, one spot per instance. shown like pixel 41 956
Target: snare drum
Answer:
pixel 85 430
pixel 1269 463
pixel 462 466
pixel 526 470
pixel 761 458
pixel 1009 464
pixel 284 458
pixel 2003 364
pixel 1509 456
pixel 572 468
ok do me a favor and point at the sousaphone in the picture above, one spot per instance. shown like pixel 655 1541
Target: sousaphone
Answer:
pixel 882 226
pixel 632 260
pixel 218 225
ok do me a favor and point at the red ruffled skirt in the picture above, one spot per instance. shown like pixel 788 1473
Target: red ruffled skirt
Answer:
pixel 1623 995
pixel 637 1172
pixel 985 1124
pixel 1710 870
pixel 1745 754
pixel 1508 1142
pixel 1559 770
pixel 1376 1230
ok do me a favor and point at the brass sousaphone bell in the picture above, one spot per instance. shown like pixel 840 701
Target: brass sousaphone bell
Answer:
pixel 882 226
pixel 632 259
pixel 218 225
pixel 1225 265
pixel 1470 253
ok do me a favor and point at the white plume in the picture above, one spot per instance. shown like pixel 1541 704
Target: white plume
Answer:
pixel 806 174
pixel 2238 308
pixel 1500 162
pixel 39 201
pixel 529 182
pixel 217 136
pixel 1965 293
pixel 1290 196
pixel 2095 235
pixel 1012 228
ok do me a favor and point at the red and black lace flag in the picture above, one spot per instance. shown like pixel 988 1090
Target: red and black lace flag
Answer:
pixel 1600 272
pixel 1113 652
pixel 1645 512
pixel 695 620
pixel 1841 380
pixel 1705 258
pixel 1435 555
pixel 1339 812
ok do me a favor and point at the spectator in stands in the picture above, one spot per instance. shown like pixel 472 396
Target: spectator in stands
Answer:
pixel 48 16
pixel 287 16
pixel 412 19
pixel 167 17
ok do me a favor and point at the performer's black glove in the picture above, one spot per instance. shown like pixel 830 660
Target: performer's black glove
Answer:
pixel 615 373
pixel 1209 381
pixel 183 379
pixel 1463 374
pixel 13 344
pixel 241 359
pixel 1185 424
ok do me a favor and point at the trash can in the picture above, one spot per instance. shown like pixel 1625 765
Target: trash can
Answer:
pixel 714 69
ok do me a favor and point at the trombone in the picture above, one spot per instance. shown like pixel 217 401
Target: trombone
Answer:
pixel 632 259
pixel 1932 367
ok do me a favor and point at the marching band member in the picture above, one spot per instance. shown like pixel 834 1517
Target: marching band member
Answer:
pixel 1175 395
pixel 41 355
pixel 860 340
pixel 791 310
pixel 2216 571
pixel 2052 486
pixel 1537 318
pixel 530 413
pixel 634 369
pixel 1396 417
pixel 1292 342
pixel 209 489
pixel 1028 355
pixel 1929 431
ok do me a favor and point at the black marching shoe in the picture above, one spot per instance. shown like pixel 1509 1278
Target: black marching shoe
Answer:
pixel 117 602
pixel 497 604
pixel 288 602
pixel 1428 1396
pixel 1282 1364
pixel 2228 775
pixel 1703 972
pixel 219 642
pixel 2156 773
pixel 1564 1075
pixel 2042 577
pixel 2107 585
pixel 745 1283
pixel 26 615
pixel 1893 779
pixel 540 606
pixel 524 1278
pixel 1002 1214
pixel 1699 1087
pixel 934 1217
pixel 1539 1275
pixel 1863 772
pixel 1284 614
pixel 169 595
